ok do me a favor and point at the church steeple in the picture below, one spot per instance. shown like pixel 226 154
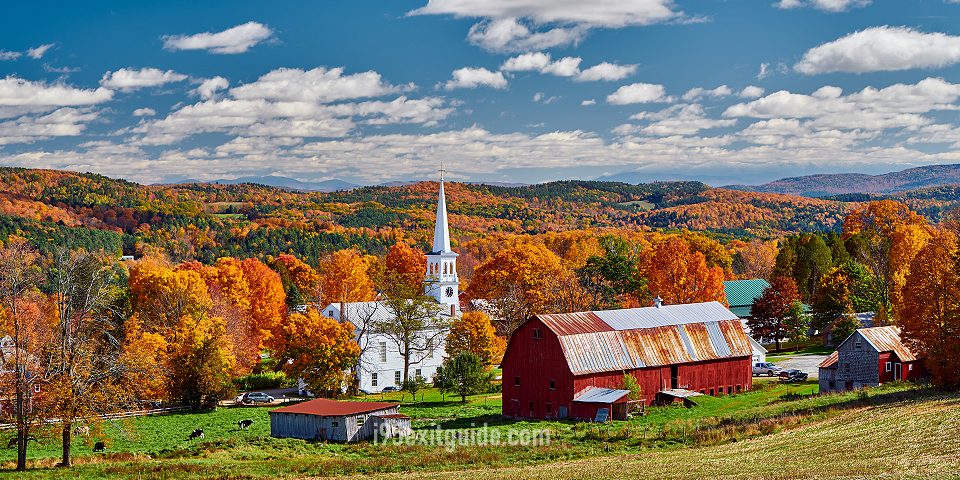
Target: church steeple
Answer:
pixel 441 281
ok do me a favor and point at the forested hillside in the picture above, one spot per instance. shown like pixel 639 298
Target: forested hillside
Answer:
pixel 206 221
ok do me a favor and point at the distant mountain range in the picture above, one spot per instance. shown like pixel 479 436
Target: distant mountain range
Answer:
pixel 825 185
pixel 288 183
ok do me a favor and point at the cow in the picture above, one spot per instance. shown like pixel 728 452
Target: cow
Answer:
pixel 81 430
pixel 244 424
pixel 99 447
pixel 198 433
pixel 13 441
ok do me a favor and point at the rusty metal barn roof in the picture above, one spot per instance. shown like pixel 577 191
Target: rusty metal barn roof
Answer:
pixel 613 340
pixel 830 361
pixel 887 339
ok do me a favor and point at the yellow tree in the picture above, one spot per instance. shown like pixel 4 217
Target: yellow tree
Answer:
pixel 885 235
pixel 267 300
pixel 679 275
pixel 144 355
pixel 200 361
pixel 474 333
pixel 161 296
pixel 301 282
pixel 344 277
pixel 929 310
pixel 320 350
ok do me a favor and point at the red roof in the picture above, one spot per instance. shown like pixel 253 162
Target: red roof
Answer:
pixel 332 408
pixel 830 361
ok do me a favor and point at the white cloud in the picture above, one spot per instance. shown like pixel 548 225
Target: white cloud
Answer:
pixel 606 71
pixel 750 91
pixel 588 102
pixel 565 67
pixel 209 87
pixel 237 39
pixel 698 92
pixel 129 79
pixel 144 112
pixel 527 62
pixel 468 77
pixel 880 49
pixel 38 52
pixel 63 122
pixel 8 55
pixel 825 5
pixel 316 85
pixel 687 119
pixel 17 92
pixel 639 93
pixel 764 71
pixel 525 25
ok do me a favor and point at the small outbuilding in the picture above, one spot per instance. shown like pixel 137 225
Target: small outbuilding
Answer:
pixel 330 420
pixel 870 357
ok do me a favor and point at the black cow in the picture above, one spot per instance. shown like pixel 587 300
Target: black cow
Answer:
pixel 244 424
pixel 198 433
pixel 99 447
pixel 13 441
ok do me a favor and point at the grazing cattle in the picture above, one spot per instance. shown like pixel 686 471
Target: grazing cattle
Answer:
pixel 244 424
pixel 13 441
pixel 83 430
pixel 198 433
pixel 99 447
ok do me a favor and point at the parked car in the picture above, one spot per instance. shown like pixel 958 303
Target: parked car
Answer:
pixel 391 388
pixel 766 368
pixel 259 397
pixel 793 375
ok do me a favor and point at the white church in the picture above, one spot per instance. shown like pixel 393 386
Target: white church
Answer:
pixel 381 364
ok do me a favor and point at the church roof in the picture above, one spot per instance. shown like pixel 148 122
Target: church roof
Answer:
pixel 441 231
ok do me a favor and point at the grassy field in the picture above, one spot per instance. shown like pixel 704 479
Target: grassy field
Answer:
pixel 156 447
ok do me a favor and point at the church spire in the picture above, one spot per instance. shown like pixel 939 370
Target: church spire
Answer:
pixel 441 231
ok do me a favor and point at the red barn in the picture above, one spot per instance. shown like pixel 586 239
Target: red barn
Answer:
pixel 571 365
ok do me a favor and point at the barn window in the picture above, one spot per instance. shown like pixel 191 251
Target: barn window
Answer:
pixel 516 381
pixel 858 345
pixel 549 408
pixel 910 367
pixel 383 352
pixel 846 367
pixel 711 392
pixel 888 367
pixel 334 424
pixel 739 388
pixel 553 384
pixel 537 333
pixel 373 379
pixel 396 377
pixel 833 385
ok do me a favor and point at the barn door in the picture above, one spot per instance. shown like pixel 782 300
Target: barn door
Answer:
pixel 674 376
pixel 897 371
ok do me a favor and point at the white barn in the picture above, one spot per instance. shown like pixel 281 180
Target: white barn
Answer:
pixel 381 364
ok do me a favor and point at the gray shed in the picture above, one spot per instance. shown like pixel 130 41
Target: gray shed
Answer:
pixel 324 419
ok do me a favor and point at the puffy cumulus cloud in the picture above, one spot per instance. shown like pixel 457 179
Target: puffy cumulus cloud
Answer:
pixel 144 112
pixel 129 79
pixel 639 93
pixel 896 106
pixel 316 85
pixel 606 71
pixel 293 103
pixel 698 92
pixel 880 49
pixel 825 5
pixel 21 96
pixel 686 119
pixel 37 53
pixel 469 77
pixel 566 67
pixel 210 86
pixel 63 122
pixel 237 39
pixel 8 55
pixel 524 25
pixel 750 91
pixel 588 102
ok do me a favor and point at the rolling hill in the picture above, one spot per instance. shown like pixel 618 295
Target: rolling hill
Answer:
pixel 846 183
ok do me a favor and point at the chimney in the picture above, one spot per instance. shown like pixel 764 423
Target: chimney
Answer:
pixel 657 302
pixel 453 310
pixel 343 312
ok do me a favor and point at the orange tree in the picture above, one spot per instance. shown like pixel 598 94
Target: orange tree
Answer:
pixel 301 283
pixel 473 332
pixel 679 275
pixel 406 263
pixel 319 350
pixel 345 277
pixel 929 310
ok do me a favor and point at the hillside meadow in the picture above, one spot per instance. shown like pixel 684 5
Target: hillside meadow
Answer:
pixel 736 426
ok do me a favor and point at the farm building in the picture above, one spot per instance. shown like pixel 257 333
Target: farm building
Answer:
pixel 324 419
pixel 867 358
pixel 572 365
pixel 740 296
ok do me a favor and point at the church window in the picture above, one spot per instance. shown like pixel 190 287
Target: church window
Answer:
pixel 396 377
pixel 373 379
pixel 383 352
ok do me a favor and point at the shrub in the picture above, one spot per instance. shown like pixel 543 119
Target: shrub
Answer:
pixel 262 381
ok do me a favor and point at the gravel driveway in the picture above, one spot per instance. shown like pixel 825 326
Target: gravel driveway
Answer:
pixel 806 363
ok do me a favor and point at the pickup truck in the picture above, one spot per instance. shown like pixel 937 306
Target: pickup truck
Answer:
pixel 766 368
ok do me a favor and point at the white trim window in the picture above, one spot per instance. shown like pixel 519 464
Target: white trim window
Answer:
pixel 373 379
pixel 383 352
pixel 888 367
pixel 397 377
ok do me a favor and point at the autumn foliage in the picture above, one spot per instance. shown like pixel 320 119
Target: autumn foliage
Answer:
pixel 677 274
pixel 474 333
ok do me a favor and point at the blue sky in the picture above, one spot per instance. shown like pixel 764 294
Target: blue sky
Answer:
pixel 514 91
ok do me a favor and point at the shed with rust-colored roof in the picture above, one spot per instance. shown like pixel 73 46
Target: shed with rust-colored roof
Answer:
pixel 870 357
pixel 552 358
pixel 324 419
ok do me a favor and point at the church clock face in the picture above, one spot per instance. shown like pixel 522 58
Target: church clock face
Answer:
pixel 449 291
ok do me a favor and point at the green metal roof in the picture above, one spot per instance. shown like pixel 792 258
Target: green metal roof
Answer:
pixel 742 293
